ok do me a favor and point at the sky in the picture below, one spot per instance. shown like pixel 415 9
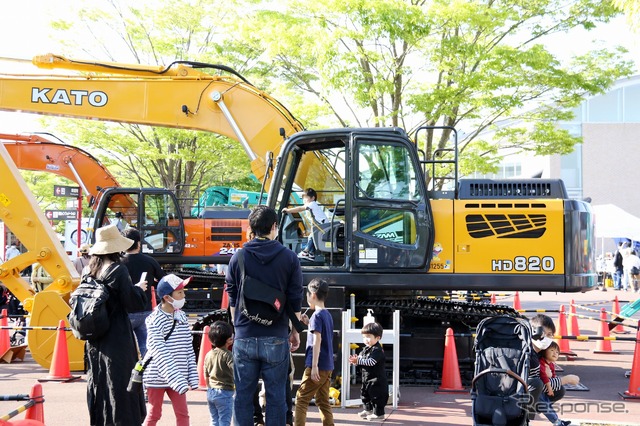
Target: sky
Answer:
pixel 24 34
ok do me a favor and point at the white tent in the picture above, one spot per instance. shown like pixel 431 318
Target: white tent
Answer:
pixel 614 222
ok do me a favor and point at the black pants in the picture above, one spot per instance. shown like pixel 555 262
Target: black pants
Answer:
pixel 375 396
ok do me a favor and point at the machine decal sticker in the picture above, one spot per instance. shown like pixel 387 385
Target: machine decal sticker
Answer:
pixel 522 264
pixel 506 225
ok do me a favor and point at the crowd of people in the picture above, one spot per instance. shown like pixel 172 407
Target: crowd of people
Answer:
pixel 246 351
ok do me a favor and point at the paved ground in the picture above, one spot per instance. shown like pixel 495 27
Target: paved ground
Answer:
pixel 602 373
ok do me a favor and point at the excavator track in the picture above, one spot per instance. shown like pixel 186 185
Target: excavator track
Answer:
pixel 450 311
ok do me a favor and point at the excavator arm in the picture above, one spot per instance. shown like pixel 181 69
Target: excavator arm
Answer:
pixel 37 153
pixel 20 212
pixel 178 96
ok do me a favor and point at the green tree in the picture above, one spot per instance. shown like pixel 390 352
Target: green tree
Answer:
pixel 478 66
pixel 151 33
pixel 631 8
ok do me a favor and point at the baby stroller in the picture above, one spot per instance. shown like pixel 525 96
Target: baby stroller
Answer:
pixel 499 391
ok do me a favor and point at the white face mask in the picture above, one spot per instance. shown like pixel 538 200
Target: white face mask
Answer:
pixel 543 343
pixel 179 303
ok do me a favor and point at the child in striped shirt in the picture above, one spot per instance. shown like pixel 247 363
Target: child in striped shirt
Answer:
pixel 172 369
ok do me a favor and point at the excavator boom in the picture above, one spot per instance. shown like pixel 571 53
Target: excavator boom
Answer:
pixel 35 152
pixel 179 96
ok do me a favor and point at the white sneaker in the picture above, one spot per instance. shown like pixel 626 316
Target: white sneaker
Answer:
pixel 375 417
pixel 306 255
pixel 364 413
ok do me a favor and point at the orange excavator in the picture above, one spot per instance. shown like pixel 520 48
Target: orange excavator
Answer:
pixel 389 236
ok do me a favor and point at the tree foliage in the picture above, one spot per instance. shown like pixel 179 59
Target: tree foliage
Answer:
pixel 149 33
pixel 480 66
pixel 631 8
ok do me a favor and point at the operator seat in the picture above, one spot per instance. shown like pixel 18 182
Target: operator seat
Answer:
pixel 328 237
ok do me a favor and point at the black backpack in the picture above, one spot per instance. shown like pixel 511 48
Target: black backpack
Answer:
pixel 89 317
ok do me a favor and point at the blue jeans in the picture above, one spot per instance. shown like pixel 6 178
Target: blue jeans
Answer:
pixel 309 246
pixel 140 329
pixel 266 357
pixel 544 405
pixel 617 279
pixel 220 406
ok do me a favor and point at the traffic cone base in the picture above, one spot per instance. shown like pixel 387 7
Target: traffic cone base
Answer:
pixel 626 395
pixel 13 353
pixel 451 381
pixel 59 371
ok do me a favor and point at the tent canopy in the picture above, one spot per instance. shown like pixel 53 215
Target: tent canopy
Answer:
pixel 614 222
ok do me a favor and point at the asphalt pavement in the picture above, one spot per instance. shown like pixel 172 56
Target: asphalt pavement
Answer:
pixel 602 373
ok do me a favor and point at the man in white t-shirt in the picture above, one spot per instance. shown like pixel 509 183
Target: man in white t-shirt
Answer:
pixel 12 252
pixel 310 204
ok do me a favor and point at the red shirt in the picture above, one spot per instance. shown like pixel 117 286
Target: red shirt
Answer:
pixel 543 370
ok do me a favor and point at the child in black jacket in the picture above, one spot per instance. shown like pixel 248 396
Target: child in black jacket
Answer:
pixel 375 390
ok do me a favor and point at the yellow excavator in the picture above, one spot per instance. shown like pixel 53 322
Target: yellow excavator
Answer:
pixel 389 236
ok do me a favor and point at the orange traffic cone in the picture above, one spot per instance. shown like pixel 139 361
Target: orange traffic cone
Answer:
pixel 604 345
pixel 574 330
pixel 451 381
pixel 516 302
pixel 634 381
pixel 36 412
pixel 493 299
pixel 59 371
pixel 205 347
pixel 564 342
pixel 5 341
pixel 225 298
pixel 154 303
pixel 616 312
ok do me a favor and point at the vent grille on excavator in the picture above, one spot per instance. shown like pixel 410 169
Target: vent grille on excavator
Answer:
pixel 506 188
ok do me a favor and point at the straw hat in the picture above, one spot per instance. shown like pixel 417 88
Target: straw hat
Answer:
pixel 84 248
pixel 109 240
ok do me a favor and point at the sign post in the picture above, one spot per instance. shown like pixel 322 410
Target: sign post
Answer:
pixel 70 191
pixel 54 215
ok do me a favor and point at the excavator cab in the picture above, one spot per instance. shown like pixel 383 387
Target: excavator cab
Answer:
pixel 370 185
pixel 153 211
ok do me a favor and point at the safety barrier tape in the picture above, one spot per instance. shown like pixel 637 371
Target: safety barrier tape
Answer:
pixel 19 410
pixel 595 338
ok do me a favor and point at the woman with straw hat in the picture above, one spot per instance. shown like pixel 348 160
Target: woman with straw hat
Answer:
pixel 111 358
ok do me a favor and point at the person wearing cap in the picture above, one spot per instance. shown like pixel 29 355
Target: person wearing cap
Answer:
pixel 138 264
pixel 261 350
pixel 83 260
pixel 12 251
pixel 172 369
pixel 111 358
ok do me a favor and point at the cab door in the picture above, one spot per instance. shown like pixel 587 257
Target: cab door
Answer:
pixel 153 211
pixel 392 226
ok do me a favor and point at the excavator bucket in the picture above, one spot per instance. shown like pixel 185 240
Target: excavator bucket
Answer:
pixel 48 308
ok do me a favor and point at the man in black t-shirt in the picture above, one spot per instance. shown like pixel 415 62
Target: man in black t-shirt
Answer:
pixel 137 263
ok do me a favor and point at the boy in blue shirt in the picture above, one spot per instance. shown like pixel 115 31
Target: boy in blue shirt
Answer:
pixel 316 379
